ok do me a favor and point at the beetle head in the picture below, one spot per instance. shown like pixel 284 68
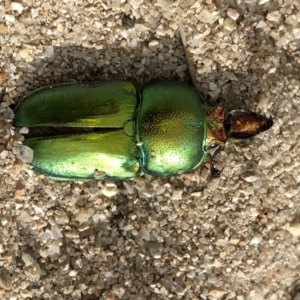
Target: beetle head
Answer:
pixel 237 124
pixel 244 124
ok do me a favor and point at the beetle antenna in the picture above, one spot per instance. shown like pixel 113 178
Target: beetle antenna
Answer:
pixel 189 60
pixel 214 172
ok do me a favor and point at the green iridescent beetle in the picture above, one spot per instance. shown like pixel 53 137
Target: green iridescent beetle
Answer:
pixel 163 129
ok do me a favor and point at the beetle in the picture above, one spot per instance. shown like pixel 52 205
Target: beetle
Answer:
pixel 162 129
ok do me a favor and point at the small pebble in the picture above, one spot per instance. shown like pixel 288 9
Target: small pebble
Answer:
pixel 233 14
pixel 5 282
pixel 3 29
pixel 229 24
pixel 153 44
pixel 274 16
pixel 17 7
pixel 294 229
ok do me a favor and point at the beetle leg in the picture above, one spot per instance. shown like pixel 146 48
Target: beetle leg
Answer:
pixel 189 60
pixel 214 172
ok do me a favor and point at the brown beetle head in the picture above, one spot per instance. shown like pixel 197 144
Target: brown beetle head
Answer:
pixel 235 125
pixel 244 124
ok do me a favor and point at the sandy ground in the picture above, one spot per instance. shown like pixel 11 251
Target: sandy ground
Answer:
pixel 187 237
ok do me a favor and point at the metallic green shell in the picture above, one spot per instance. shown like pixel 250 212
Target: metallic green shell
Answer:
pixel 171 128
pixel 78 105
pixel 160 130
pixel 107 154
